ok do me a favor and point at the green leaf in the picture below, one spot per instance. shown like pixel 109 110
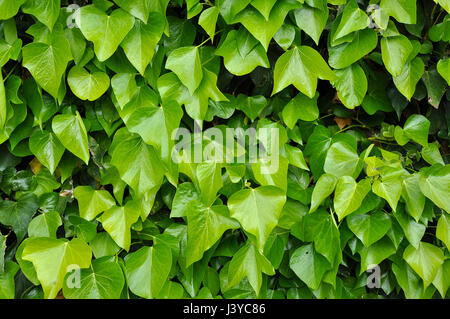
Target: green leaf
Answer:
pixel 92 202
pixel 185 63
pixel 87 86
pixel 9 8
pixel 324 187
pixel 140 43
pixel 341 160
pixel 351 85
pixel 117 222
pixel 443 67
pixel 416 128
pixel 53 258
pixel 309 266
pixel 7 284
pixel 138 163
pixel 412 230
pixel 242 53
pixel 390 190
pixel 312 20
pixel 414 199
pixel 345 54
pixel 404 11
pixel 426 260
pixel 47 149
pixel 353 19
pixel 349 195
pixel 46 11
pixel 18 214
pixel 206 226
pixel 431 154
pixel 147 270
pixel 258 210
pixel 3 103
pixel 406 82
pixel 301 66
pixel 45 225
pixel 72 133
pixel 443 229
pixel 249 262
pixel 376 253
pixel 208 20
pixel 434 183
pixel 395 52
pixel 300 107
pixel 369 228
pixel 441 281
pixel 104 280
pixel 47 62
pixel 105 31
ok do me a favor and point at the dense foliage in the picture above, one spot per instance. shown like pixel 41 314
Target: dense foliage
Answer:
pixel 91 93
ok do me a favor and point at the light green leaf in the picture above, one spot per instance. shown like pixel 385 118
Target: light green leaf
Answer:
pixel 404 11
pixel 104 280
pixel 208 20
pixel 53 258
pixel 105 31
pixel 87 86
pixel 258 210
pixel 351 85
pixel 301 66
pixel 413 231
pixel 47 149
pixel 92 202
pixel 390 190
pixel 443 67
pixel 323 188
pixel 341 160
pixel 185 63
pixel 414 199
pixel 300 107
pixel 443 229
pixel 7 283
pixel 406 82
pixel 369 228
pixel 349 195
pixel 395 52
pixel 147 270
pixel 45 225
pixel 9 8
pixel 72 133
pixel 376 253
pixel 46 11
pixel 442 279
pixel 312 20
pixel 434 183
pixel 206 226
pixel 309 266
pixel 3 103
pixel 249 262
pixel 426 260
pixel 353 19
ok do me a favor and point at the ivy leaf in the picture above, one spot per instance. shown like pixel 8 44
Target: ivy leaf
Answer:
pixel 208 20
pixel 395 52
pixel 140 43
pixel 92 202
pixel 443 68
pixel 47 149
pixel 341 160
pixel 9 8
pixel 309 266
pixel 441 281
pixel 406 82
pixel 404 11
pixel 209 181
pixel 312 20
pixel 47 62
pixel 105 31
pixel 443 229
pixel 104 280
pixel 351 85
pixel 258 210
pixel 7 284
pixel 242 53
pixel 140 8
pixel 87 86
pixel 185 63
pixel 206 226
pixel 46 12
pixel 52 259
pixel 426 260
pixel 324 187
pixel 390 190
pixel 414 199
pixel 185 193
pixel 376 253
pixel 72 133
pixel 45 225
pixel 147 270
pixel 369 228
pixel 300 107
pixel 416 128
pixel 3 103
pixel 413 231
pixel 345 54
pixel 349 195
pixel 301 66
pixel 249 262
pixel 138 163
pixel 264 29
pixel 434 183
pixel 117 222
pixel 18 214
pixel 353 19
